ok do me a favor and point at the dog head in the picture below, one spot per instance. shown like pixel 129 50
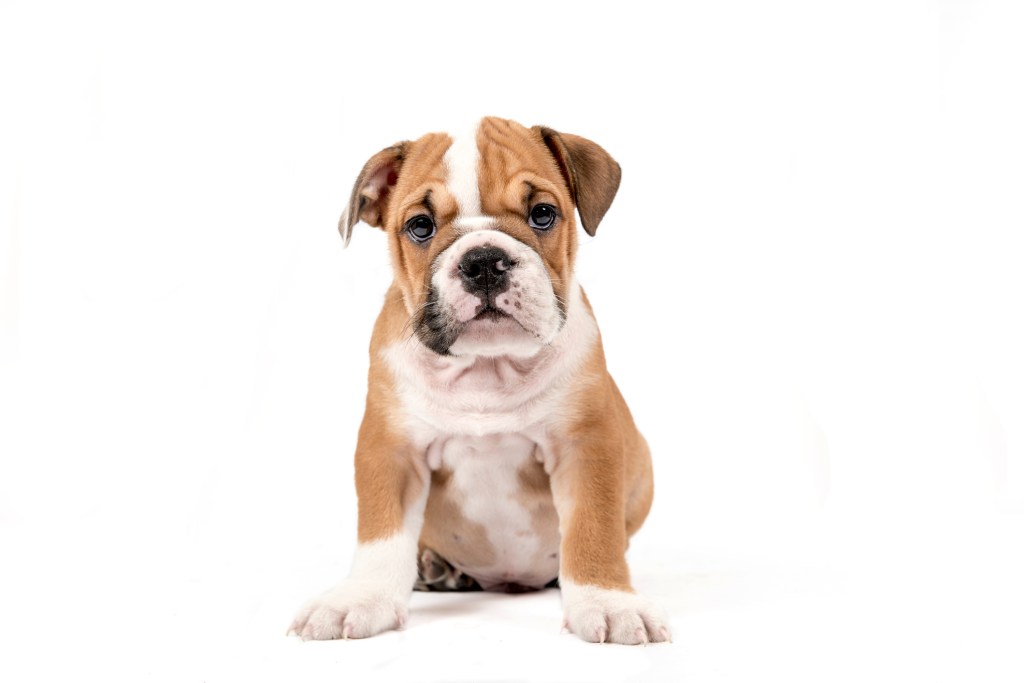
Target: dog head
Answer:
pixel 482 232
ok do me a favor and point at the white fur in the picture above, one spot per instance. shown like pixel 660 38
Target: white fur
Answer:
pixel 375 596
pixel 601 615
pixel 461 161
pixel 485 476
pixel 471 223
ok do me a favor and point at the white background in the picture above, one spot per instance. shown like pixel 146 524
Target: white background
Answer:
pixel 810 290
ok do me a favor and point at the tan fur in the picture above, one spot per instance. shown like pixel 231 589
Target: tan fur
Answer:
pixel 603 481
pixel 512 162
pixel 389 473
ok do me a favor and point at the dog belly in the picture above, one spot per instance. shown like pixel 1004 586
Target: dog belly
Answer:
pixel 490 512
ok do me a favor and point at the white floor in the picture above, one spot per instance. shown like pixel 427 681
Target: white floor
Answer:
pixel 928 599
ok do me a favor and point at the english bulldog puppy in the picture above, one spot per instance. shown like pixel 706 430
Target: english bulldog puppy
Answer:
pixel 495 450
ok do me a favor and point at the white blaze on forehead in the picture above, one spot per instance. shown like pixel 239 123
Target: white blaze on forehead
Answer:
pixel 461 162
pixel 474 223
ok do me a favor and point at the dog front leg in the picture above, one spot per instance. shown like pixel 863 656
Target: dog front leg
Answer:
pixel 392 485
pixel 597 598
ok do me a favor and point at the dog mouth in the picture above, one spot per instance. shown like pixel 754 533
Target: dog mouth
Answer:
pixel 491 320
pixel 438 331
pixel 489 325
pixel 490 313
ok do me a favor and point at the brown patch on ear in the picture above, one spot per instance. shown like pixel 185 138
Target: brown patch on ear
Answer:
pixel 371 190
pixel 591 173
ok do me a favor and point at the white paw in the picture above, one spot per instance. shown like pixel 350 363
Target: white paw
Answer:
pixel 600 615
pixel 354 609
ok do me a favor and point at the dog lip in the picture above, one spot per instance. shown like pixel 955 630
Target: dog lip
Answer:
pixel 489 315
pixel 489 312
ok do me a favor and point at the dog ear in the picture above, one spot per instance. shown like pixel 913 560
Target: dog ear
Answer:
pixel 591 173
pixel 370 193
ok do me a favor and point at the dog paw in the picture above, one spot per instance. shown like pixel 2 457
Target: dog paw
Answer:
pixel 600 615
pixel 354 609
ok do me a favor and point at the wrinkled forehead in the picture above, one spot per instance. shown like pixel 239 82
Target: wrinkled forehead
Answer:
pixel 485 169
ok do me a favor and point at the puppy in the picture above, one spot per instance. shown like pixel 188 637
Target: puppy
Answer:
pixel 495 447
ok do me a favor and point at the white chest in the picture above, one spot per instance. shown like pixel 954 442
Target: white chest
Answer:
pixel 485 471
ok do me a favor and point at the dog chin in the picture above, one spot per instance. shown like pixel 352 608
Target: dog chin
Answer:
pixel 493 336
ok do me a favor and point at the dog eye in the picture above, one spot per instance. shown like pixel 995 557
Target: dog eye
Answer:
pixel 542 217
pixel 420 228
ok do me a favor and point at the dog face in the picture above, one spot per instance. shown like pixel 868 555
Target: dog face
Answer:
pixel 482 232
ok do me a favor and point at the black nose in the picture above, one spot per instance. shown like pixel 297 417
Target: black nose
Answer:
pixel 484 269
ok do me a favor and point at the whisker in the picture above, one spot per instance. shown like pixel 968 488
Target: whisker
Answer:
pixel 414 321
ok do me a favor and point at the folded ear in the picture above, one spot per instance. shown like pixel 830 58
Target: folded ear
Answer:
pixel 591 173
pixel 370 193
